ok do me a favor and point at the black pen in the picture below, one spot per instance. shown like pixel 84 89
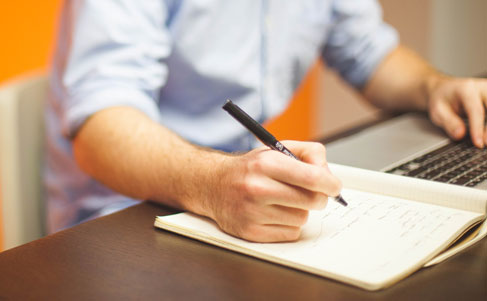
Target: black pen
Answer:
pixel 263 135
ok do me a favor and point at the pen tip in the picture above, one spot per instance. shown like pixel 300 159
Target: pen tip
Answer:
pixel 340 200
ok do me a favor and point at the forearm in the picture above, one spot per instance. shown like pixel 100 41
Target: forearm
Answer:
pixel 261 195
pixel 402 82
pixel 131 154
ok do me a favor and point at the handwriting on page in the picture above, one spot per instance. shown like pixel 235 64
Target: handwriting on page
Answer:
pixel 378 233
pixel 408 217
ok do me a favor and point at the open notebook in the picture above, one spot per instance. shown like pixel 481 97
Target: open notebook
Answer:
pixel 393 226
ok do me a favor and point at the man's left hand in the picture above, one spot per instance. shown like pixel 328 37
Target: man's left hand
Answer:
pixel 452 98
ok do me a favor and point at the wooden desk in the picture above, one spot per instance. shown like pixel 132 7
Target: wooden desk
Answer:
pixel 123 256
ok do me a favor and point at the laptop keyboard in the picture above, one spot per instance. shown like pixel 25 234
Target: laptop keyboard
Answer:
pixel 456 163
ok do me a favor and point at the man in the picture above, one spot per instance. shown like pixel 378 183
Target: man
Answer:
pixel 138 86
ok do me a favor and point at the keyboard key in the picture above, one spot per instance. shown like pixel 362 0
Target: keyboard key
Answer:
pixel 461 180
pixel 456 163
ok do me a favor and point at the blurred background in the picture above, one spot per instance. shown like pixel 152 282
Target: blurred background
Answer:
pixel 451 34
pixel 27 31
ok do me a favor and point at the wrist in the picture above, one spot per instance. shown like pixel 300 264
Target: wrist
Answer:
pixel 430 85
pixel 205 182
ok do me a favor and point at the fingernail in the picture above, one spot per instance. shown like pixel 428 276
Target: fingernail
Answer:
pixel 479 142
pixel 457 133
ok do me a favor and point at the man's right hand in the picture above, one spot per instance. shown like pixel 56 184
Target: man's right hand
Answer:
pixel 265 196
pixel 262 195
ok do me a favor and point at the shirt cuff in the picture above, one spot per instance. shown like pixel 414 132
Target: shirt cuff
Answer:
pixel 382 42
pixel 81 109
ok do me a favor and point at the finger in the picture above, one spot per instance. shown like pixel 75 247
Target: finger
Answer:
pixel 313 178
pixel 474 108
pixel 299 198
pixel 304 175
pixel 281 215
pixel 268 191
pixel 317 179
pixel 270 233
pixel 309 152
pixel 443 115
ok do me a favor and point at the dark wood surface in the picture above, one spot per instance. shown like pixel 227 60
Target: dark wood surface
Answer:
pixel 123 256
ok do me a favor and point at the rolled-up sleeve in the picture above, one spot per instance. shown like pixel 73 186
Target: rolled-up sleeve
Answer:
pixel 358 40
pixel 114 56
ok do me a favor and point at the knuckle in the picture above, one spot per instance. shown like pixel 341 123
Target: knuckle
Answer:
pixel 319 148
pixel 293 234
pixel 261 163
pixel 256 165
pixel 466 87
pixel 302 217
pixel 252 188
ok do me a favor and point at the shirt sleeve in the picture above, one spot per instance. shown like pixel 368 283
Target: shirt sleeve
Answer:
pixel 358 40
pixel 111 54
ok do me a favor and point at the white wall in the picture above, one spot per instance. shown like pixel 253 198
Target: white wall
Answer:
pixel 459 36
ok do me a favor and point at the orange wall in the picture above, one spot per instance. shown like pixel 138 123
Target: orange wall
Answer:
pixel 298 121
pixel 27 30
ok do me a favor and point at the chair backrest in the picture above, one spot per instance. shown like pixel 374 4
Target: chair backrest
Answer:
pixel 21 156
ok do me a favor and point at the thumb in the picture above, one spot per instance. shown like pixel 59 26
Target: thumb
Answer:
pixel 310 152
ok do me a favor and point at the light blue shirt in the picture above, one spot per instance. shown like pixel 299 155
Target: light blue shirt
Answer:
pixel 178 61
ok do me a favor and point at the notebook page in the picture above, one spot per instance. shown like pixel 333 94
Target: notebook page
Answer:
pixel 373 242
pixel 453 196
pixel 482 232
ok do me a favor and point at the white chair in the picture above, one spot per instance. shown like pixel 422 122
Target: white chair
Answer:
pixel 21 157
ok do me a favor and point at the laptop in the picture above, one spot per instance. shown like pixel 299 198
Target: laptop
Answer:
pixel 410 145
